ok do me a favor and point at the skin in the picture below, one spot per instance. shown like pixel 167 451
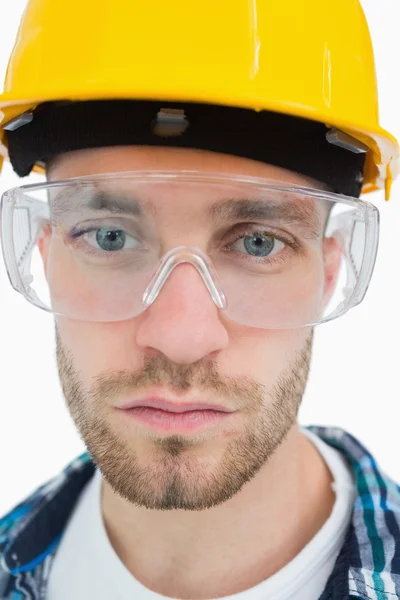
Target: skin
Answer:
pixel 211 514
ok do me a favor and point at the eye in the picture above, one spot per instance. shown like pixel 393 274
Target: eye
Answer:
pixel 110 239
pixel 257 244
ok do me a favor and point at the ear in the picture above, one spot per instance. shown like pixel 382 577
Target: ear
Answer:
pixel 44 244
pixel 333 255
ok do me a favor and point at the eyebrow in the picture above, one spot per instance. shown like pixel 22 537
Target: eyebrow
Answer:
pixel 116 204
pixel 242 209
pixel 99 201
pixel 292 213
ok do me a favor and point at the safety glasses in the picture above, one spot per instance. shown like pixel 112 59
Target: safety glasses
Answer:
pixel 271 255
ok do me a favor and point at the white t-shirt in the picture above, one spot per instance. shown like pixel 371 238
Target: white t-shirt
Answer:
pixel 86 565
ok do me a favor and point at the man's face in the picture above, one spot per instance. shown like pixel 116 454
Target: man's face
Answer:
pixel 181 349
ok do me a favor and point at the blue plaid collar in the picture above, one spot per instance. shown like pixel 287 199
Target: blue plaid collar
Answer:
pixel 372 549
pixel 368 567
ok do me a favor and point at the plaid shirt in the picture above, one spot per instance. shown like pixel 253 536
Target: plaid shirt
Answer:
pixel 368 566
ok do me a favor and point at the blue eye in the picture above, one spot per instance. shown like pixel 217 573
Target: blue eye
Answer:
pixel 110 240
pixel 258 244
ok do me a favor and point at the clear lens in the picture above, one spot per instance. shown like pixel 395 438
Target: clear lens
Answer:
pixel 102 248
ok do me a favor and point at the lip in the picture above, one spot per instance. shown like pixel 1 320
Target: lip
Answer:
pixel 173 407
pixel 174 417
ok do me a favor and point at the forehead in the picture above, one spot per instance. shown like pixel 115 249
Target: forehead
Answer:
pixel 132 158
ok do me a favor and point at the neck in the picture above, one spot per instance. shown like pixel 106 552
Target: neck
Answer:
pixel 234 546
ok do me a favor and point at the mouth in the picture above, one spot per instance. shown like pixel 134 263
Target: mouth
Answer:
pixel 164 415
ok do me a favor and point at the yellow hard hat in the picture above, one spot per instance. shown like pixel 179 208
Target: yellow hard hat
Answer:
pixel 305 58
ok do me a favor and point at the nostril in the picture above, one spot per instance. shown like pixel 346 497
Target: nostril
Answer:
pixel 183 329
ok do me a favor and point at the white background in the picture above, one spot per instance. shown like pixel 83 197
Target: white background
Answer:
pixel 356 368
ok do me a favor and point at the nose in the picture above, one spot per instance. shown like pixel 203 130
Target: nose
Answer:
pixel 183 323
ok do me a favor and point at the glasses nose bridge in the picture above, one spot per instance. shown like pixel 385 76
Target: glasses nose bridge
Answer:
pixel 198 259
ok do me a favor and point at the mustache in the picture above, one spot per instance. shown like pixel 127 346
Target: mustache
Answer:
pixel 202 376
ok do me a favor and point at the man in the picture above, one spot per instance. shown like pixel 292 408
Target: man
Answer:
pixel 200 216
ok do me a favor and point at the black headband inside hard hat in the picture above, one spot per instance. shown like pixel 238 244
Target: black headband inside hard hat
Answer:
pixel 285 141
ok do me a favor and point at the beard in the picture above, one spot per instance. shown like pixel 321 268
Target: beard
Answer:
pixel 179 472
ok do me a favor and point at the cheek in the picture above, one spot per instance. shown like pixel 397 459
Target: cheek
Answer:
pixel 260 354
pixel 100 347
